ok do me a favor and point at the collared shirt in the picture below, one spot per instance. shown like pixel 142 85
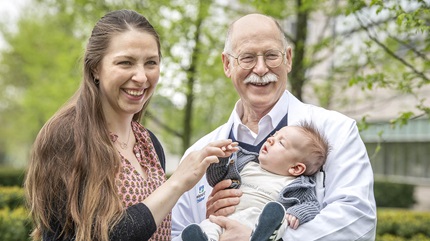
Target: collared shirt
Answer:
pixel 349 208
pixel 265 125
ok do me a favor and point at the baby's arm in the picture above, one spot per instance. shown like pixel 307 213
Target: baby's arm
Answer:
pixel 300 201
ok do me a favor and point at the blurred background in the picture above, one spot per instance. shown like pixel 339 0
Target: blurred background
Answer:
pixel 366 59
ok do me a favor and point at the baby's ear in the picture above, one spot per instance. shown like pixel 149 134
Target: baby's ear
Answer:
pixel 297 169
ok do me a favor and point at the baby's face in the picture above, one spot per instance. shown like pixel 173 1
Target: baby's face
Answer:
pixel 283 150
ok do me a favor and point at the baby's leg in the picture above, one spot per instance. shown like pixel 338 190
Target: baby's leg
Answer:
pixel 212 230
pixel 270 223
pixel 193 232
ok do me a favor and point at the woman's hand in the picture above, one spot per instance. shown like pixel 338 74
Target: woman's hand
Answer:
pixel 222 201
pixel 194 165
pixel 189 172
pixel 233 230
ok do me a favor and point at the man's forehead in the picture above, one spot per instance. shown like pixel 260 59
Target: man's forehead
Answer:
pixel 258 33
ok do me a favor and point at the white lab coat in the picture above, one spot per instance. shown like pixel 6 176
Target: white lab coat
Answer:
pixel 346 195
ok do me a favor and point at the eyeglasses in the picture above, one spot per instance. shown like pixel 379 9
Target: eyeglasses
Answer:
pixel 272 58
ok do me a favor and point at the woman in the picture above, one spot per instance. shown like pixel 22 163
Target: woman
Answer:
pixel 94 173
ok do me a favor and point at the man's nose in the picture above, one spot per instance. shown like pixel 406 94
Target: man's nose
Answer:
pixel 260 67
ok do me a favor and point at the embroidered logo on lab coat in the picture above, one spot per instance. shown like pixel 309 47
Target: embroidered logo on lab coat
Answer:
pixel 201 194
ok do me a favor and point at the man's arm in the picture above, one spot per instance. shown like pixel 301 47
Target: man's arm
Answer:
pixel 182 214
pixel 348 206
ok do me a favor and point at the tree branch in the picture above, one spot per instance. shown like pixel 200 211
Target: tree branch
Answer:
pixel 388 51
pixel 164 126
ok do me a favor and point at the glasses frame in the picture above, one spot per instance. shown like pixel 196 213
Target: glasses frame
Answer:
pixel 264 58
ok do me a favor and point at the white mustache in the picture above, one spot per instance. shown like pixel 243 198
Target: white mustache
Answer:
pixel 265 79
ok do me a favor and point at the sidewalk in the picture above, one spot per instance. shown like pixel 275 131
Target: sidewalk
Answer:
pixel 422 196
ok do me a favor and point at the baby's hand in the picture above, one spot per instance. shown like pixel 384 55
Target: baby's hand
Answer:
pixel 293 222
pixel 231 148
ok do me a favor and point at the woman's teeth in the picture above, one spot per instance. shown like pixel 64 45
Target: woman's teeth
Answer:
pixel 134 92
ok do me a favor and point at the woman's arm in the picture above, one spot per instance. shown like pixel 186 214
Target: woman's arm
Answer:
pixel 137 224
pixel 188 173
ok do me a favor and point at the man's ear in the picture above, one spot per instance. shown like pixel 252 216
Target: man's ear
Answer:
pixel 289 58
pixel 226 64
pixel 297 169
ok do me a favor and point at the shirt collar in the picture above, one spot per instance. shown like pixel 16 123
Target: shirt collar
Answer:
pixel 265 125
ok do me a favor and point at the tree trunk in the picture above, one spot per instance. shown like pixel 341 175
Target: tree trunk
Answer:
pixel 297 75
pixel 191 74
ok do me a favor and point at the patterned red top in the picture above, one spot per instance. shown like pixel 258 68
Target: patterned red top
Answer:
pixel 133 188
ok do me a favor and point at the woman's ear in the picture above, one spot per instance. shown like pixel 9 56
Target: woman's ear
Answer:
pixel 297 169
pixel 95 73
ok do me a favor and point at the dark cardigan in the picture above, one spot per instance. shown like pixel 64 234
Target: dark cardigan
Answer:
pixel 137 224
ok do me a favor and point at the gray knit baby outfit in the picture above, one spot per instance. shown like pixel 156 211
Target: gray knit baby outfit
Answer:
pixel 298 198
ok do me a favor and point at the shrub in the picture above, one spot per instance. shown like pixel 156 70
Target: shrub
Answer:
pixel 10 176
pixel 395 195
pixel 401 224
pixel 14 225
pixel 11 197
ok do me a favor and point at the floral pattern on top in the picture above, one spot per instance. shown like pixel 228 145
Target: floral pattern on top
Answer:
pixel 132 187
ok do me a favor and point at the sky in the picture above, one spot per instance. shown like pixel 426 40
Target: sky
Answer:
pixel 9 12
pixel 10 7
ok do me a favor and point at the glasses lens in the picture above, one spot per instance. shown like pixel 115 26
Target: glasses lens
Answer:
pixel 273 58
pixel 247 60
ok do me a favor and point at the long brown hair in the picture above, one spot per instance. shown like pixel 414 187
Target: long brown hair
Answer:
pixel 70 181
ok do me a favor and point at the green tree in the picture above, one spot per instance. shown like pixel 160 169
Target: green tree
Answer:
pixel 38 74
pixel 41 68
pixel 395 51
pixel 360 46
pixel 192 78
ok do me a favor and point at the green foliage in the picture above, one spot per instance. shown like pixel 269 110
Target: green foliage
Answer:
pixel 400 224
pixel 191 70
pixel 393 224
pixel 402 119
pixel 41 74
pixel 14 225
pixel 392 56
pixel 396 195
pixel 41 67
pixel 11 197
pixel 11 176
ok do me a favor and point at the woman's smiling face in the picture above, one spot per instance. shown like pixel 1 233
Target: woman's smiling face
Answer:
pixel 128 73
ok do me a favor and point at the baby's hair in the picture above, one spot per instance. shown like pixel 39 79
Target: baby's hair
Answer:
pixel 319 147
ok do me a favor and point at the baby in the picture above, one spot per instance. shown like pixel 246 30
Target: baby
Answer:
pixel 277 184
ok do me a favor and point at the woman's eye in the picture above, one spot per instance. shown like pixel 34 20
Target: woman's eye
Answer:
pixel 125 63
pixel 152 62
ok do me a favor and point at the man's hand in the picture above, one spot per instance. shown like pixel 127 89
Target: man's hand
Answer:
pixel 222 201
pixel 233 230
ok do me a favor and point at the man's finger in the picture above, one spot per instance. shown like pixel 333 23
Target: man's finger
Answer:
pixel 220 220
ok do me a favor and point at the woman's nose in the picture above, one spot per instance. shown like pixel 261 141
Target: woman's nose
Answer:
pixel 140 75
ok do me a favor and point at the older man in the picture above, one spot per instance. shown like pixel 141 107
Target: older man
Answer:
pixel 257 59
